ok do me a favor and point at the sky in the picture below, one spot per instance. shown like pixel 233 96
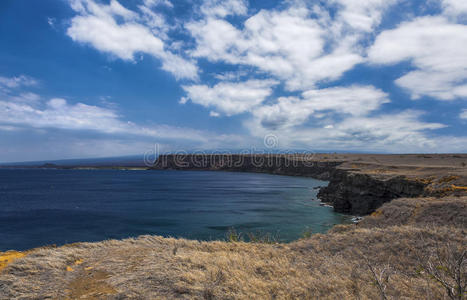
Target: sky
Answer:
pixel 102 78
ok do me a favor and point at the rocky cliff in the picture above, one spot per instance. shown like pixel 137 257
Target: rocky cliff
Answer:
pixel 361 194
pixel 273 164
pixel 352 188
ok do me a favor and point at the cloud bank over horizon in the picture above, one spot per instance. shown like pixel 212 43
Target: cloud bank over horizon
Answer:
pixel 345 75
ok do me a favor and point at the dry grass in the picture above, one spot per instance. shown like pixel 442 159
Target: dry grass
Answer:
pixel 387 256
pixel 407 249
pixel 448 211
pixel 328 266
pixel 8 257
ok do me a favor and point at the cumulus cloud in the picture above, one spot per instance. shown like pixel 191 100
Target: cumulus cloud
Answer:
pixel 223 8
pixel 98 25
pixel 454 7
pixel 301 45
pixel 293 111
pixel 230 98
pixel 435 47
pixel 362 15
pixel 278 42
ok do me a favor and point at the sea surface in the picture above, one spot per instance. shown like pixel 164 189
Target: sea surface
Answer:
pixel 47 206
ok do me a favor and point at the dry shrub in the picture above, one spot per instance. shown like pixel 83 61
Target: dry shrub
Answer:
pixel 420 212
pixel 446 265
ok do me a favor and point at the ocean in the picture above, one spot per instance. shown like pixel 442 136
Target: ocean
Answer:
pixel 41 207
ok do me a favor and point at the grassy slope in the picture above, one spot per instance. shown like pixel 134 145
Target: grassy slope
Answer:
pixel 330 266
pixel 394 245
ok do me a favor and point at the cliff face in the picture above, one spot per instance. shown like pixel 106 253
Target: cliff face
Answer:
pixel 313 267
pixel 348 191
pixel 272 164
pixel 362 193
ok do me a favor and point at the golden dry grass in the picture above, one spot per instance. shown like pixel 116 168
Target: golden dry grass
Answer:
pixel 336 265
pixel 429 211
pixel 150 267
pixel 8 257
pixel 348 262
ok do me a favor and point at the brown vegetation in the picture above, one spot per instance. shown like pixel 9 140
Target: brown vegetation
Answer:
pixel 448 211
pixel 409 248
pixel 393 258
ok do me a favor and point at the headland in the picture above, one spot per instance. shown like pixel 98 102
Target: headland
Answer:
pixel 409 245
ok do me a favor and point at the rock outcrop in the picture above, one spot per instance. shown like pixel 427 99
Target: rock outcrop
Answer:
pixel 361 194
pixel 355 186
pixel 292 165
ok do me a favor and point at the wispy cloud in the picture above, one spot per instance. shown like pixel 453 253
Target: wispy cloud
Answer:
pixel 395 132
pixel 16 82
pixel 26 111
pixel 59 114
pixel 154 3
pixel 463 114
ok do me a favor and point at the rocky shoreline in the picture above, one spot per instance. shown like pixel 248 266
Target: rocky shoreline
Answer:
pixel 358 183
pixel 406 249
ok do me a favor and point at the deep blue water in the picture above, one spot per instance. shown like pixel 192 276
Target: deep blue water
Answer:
pixel 41 207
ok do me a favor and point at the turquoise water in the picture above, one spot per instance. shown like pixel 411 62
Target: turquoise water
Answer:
pixel 43 206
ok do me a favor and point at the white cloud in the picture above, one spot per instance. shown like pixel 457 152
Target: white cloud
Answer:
pixel 435 47
pixel 16 82
pixel 103 11
pixel 223 8
pixel 230 97
pixel 299 45
pixel 26 97
pixel 154 3
pixel 355 100
pixel 12 89
pixel 51 22
pixel 463 114
pixel 293 111
pixel 97 25
pixel 398 132
pixel 231 76
pixel 156 22
pixel 57 113
pixel 362 15
pixel 280 43
pixel 454 7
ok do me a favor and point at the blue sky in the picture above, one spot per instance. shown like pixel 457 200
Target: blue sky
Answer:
pixel 98 78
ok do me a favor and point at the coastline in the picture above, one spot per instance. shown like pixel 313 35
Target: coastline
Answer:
pixel 358 183
pixel 396 234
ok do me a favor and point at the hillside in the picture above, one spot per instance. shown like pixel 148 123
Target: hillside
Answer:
pixel 408 248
